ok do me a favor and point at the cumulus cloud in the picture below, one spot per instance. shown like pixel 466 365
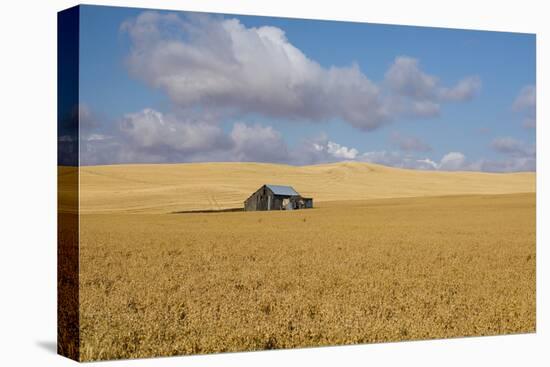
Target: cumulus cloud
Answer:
pixel 405 78
pixel 149 136
pixel 423 109
pixel 526 98
pixel 153 130
pixel 336 150
pixel 189 140
pixel 519 156
pixel 213 65
pixel 397 159
pixel 512 164
pixel 423 92
pixel 219 63
pixel 409 143
pixel 320 149
pixel 464 90
pixel 340 151
pixel 452 161
pixel 508 145
pixel 257 143
pixel 526 104
pixel 427 163
pixel 516 156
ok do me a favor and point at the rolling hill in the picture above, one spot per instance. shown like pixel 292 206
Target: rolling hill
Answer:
pixel 164 188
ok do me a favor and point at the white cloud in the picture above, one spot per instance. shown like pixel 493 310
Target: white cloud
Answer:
pixel 526 104
pixel 396 159
pixel 340 151
pixel 427 163
pixel 464 90
pixel 149 136
pixel 153 130
pixel 219 63
pixel 424 109
pixel 423 92
pixel 511 164
pixel 519 156
pixel 221 66
pixel 508 145
pixel 452 161
pixel 257 143
pixel 405 78
pixel 320 149
pixel 526 99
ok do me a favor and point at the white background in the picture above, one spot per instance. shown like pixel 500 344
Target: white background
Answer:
pixel 28 181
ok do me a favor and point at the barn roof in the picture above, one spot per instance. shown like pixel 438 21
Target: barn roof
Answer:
pixel 282 190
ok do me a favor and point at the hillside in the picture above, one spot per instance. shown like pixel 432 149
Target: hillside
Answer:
pixel 163 188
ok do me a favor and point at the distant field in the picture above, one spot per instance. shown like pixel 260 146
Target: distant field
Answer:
pixel 165 188
pixel 345 272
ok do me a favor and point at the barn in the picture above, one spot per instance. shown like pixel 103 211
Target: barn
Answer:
pixel 277 197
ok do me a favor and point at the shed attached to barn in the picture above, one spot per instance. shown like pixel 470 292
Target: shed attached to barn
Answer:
pixel 276 197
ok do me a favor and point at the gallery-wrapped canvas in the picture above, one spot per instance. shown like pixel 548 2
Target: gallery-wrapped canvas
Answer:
pixel 237 183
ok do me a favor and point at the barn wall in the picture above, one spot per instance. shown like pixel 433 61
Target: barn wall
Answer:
pixel 252 202
pixel 260 201
pixel 277 203
pixel 266 198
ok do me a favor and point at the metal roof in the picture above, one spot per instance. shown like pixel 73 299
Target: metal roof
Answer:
pixel 282 190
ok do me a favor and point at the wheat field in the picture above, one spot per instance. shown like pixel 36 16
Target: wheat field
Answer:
pixel 455 261
pixel 165 188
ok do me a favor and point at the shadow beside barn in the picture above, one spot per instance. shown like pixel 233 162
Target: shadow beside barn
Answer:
pixel 228 210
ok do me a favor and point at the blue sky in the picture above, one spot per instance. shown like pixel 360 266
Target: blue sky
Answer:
pixel 185 87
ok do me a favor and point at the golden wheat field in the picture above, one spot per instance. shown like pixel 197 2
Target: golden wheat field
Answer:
pixel 458 263
pixel 165 188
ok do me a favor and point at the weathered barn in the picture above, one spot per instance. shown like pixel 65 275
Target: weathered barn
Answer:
pixel 276 197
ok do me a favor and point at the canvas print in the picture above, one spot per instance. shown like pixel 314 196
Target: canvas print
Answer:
pixel 239 183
